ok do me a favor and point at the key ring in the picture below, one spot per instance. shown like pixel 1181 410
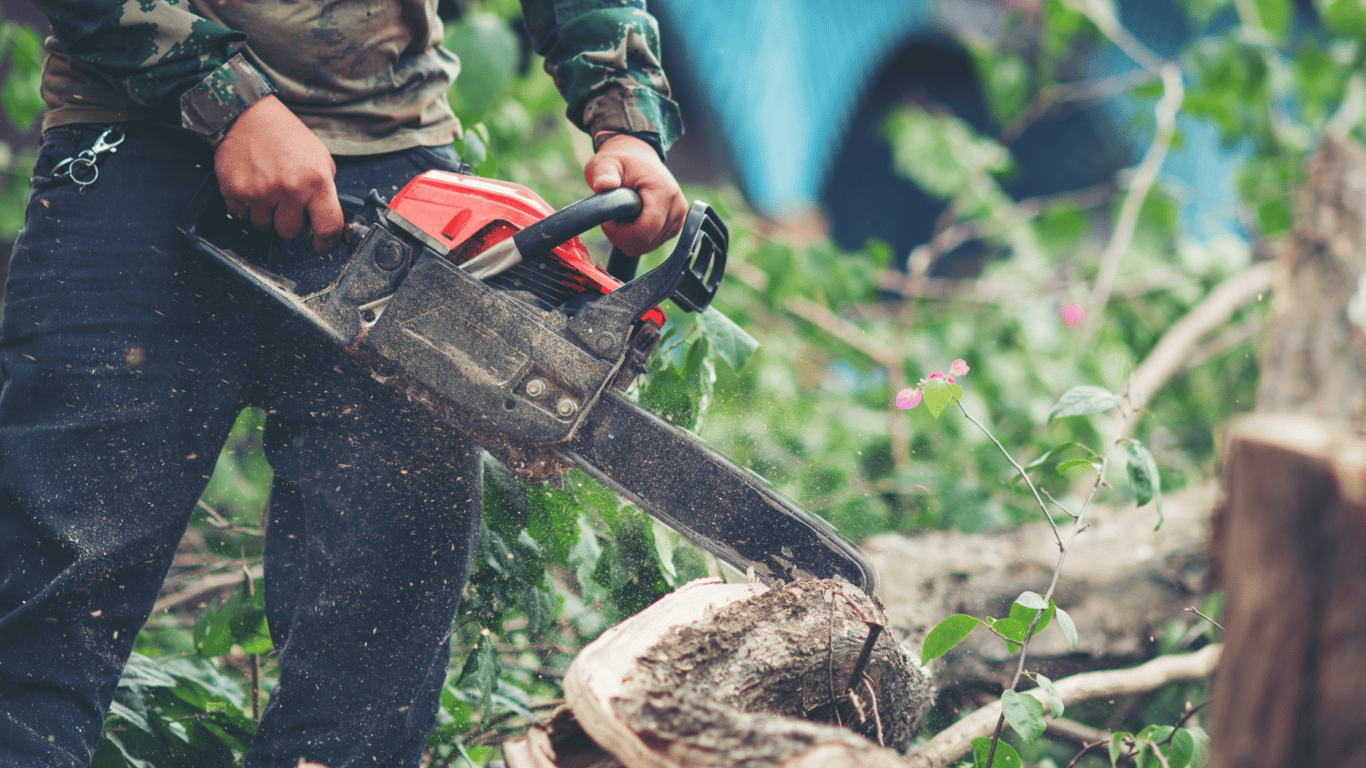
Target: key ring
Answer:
pixel 82 167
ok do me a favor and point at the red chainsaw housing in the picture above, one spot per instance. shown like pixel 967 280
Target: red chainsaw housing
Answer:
pixel 471 213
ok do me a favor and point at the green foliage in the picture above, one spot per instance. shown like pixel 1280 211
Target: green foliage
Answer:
pixel 21 51
pixel 1004 756
pixel 175 711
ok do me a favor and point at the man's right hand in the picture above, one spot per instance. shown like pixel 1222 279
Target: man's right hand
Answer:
pixel 276 173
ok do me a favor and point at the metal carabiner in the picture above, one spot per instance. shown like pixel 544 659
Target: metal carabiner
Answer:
pixel 85 161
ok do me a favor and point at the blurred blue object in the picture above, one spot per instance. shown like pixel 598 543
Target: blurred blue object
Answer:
pixel 797 90
pixel 783 78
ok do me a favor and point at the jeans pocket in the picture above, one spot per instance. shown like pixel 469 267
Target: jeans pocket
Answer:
pixel 57 145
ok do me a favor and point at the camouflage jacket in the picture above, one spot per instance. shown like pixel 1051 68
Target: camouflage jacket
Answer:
pixel 367 76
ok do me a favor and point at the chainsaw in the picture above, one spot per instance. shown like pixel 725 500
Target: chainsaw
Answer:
pixel 478 299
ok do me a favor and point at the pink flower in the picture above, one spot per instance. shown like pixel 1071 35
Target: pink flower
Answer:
pixel 1072 314
pixel 959 367
pixel 908 398
pixel 935 375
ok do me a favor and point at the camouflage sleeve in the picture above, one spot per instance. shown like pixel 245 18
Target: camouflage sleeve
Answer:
pixel 604 57
pixel 163 56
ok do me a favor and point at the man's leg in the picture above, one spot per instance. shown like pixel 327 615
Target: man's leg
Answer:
pixel 373 520
pixel 118 392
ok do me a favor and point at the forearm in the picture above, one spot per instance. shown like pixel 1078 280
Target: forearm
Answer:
pixel 605 61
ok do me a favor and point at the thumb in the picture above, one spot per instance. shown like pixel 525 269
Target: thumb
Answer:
pixel 604 175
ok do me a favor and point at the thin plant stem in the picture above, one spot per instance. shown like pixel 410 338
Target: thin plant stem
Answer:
pixel 1078 526
pixel 1052 524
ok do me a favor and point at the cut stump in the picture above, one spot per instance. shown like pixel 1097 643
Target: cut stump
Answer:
pixel 1290 550
pixel 723 675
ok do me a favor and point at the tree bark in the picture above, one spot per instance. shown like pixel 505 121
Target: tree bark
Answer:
pixel 1314 362
pixel 1290 548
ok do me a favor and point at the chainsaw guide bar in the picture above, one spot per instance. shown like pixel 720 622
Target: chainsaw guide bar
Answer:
pixel 476 298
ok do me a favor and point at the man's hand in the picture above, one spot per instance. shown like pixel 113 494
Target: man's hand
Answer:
pixel 625 161
pixel 275 172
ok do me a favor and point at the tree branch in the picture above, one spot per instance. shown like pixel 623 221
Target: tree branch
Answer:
pixel 956 740
pixel 1145 176
pixel 1166 359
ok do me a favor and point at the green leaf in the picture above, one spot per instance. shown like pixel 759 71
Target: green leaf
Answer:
pixel 1084 400
pixel 1052 452
pixel 1066 465
pixel 939 393
pixel 1032 600
pixel 553 521
pixel 1069 629
pixel 141 670
pixel 1117 747
pixel 689 564
pixel 729 341
pixel 474 148
pixel 678 390
pixel 946 635
pixel 1024 713
pixel 481 672
pixel 1013 630
pixel 1025 614
pixel 941 153
pixel 1144 478
pixel 1055 705
pixel 215 637
pixel 1200 742
pixel 1005 757
pixel 1182 749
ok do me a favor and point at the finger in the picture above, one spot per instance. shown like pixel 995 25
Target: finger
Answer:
pixel 325 214
pixel 236 208
pixel 289 220
pixel 263 216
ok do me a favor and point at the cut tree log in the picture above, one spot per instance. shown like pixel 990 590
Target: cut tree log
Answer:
pixel 1124 585
pixel 721 675
pixel 1290 548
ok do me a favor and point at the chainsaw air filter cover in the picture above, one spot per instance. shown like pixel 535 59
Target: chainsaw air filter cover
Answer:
pixel 471 214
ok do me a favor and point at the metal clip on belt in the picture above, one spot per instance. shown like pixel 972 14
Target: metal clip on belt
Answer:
pixel 82 167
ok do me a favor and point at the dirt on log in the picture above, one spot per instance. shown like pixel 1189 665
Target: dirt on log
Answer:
pixel 739 676
pixel 1124 584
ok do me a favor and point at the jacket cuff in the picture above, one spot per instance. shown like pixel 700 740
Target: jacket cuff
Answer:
pixel 211 107
pixel 647 116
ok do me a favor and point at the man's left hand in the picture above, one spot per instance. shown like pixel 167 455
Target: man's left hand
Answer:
pixel 625 161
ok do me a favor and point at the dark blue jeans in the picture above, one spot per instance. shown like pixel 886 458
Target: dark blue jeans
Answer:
pixel 126 359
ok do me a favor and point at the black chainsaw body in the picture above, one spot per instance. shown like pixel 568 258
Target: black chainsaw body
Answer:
pixel 515 348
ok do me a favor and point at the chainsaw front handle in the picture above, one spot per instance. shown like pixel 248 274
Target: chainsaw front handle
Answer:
pixel 546 235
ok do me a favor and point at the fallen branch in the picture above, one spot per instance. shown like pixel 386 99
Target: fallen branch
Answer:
pixel 1145 176
pixel 1177 344
pixel 956 740
pixel 202 587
